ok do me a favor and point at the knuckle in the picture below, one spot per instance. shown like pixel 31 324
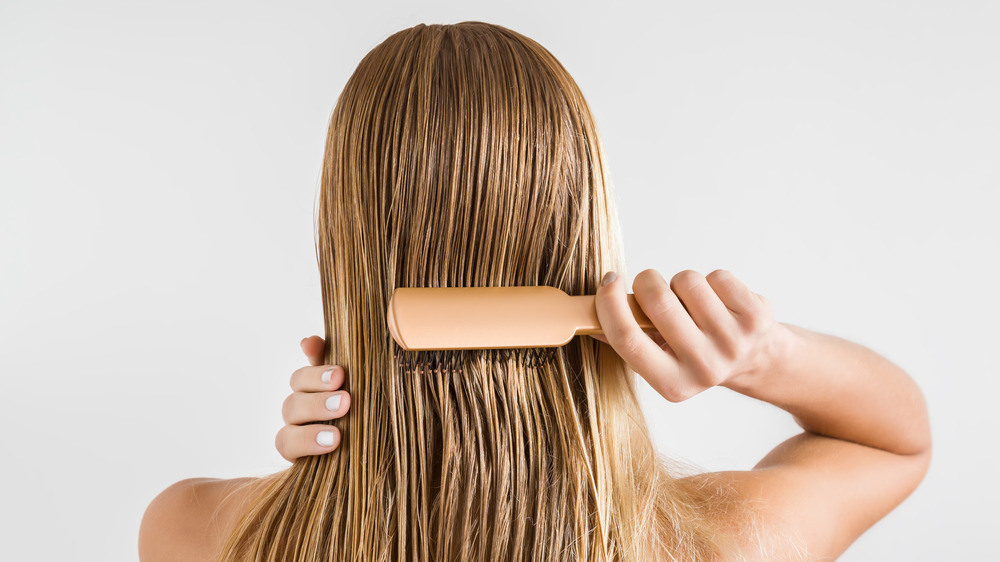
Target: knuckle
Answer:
pixel 718 377
pixel 755 322
pixel 740 349
pixel 718 274
pixel 673 393
pixel 632 344
pixel 677 393
pixel 721 277
pixel 672 396
pixel 647 277
pixel 662 307
pixel 765 304
pixel 685 394
pixel 659 300
pixel 286 407
pixel 297 375
pixel 279 442
pixel 686 279
pixel 759 317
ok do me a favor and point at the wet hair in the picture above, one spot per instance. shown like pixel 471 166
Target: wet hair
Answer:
pixel 465 155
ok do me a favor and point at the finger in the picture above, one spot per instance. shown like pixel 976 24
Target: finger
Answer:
pixel 306 407
pixel 668 314
pixel 317 379
pixel 295 441
pixel 702 303
pixel 737 297
pixel 315 348
pixel 629 341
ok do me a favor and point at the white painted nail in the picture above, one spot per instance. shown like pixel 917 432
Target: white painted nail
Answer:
pixel 333 403
pixel 325 438
pixel 326 376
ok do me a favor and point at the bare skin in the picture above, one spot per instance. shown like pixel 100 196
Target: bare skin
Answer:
pixel 865 446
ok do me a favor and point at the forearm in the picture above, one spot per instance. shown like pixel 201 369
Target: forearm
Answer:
pixel 840 389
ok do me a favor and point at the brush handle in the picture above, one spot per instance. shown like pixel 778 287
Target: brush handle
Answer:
pixel 583 311
pixel 430 318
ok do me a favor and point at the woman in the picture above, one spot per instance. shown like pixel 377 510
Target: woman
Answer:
pixel 465 155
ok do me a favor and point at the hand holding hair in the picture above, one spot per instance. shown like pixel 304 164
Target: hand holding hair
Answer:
pixel 316 396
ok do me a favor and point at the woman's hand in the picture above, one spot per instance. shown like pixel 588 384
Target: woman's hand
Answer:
pixel 315 397
pixel 713 330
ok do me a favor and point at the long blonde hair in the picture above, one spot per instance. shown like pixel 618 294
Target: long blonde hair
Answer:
pixel 465 155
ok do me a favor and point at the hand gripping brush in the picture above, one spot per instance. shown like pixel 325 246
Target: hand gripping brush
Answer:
pixel 436 326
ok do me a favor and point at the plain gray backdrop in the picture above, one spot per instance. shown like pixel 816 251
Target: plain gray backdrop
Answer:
pixel 159 163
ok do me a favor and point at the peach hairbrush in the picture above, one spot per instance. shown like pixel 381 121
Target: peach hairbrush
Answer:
pixel 434 326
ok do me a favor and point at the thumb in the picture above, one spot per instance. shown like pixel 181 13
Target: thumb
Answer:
pixel 609 277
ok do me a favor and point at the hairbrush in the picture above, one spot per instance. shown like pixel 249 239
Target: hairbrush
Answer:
pixel 436 327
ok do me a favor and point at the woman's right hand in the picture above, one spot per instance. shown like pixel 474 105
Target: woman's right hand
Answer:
pixel 316 396
pixel 712 330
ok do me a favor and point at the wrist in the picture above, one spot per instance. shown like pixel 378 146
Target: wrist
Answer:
pixel 773 358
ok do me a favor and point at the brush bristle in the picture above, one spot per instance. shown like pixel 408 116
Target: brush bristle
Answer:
pixel 453 359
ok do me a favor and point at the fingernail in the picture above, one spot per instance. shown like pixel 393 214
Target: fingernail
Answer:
pixel 324 438
pixel 609 277
pixel 326 376
pixel 333 403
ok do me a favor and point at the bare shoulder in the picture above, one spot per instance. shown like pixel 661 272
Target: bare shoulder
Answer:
pixel 190 519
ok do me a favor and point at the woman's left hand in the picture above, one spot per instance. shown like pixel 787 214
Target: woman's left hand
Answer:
pixel 316 396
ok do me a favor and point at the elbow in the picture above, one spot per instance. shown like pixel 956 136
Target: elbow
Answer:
pixel 924 442
pixel 918 439
pixel 924 457
pixel 922 450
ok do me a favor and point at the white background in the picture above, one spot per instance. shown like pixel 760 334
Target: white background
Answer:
pixel 159 163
